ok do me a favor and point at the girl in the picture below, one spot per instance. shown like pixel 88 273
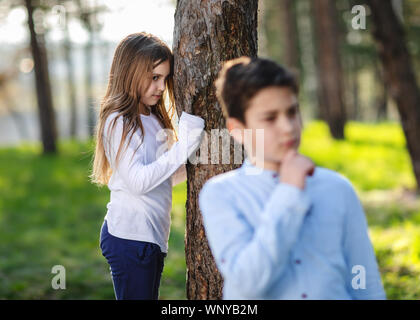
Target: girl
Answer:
pixel 140 159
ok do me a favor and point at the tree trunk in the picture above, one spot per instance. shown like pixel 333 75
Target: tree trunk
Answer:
pixel 206 34
pixel 306 38
pixel 381 98
pixel 329 66
pixel 353 73
pixel 91 117
pixel 70 80
pixel 290 35
pixel 263 43
pixel 399 74
pixel 43 87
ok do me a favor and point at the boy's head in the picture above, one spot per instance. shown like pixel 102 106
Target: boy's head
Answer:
pixel 258 93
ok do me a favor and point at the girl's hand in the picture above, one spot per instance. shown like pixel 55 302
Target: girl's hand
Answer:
pixel 188 123
pixel 294 169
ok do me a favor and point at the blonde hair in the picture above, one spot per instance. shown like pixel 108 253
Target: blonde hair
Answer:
pixel 134 60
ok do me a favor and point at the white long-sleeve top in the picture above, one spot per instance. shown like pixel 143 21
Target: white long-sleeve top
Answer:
pixel 141 185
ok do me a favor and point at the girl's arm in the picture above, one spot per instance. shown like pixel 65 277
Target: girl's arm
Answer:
pixel 139 177
pixel 252 259
pixel 180 175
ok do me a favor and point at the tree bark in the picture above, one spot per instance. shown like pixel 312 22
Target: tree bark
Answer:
pixel 290 34
pixel 206 34
pixel 329 67
pixel 399 74
pixel 43 87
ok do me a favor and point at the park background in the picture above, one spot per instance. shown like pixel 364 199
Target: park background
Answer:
pixel 50 213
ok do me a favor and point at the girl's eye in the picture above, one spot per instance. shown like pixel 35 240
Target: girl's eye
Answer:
pixel 155 78
pixel 271 119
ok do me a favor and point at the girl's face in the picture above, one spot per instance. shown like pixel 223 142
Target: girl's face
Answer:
pixel 151 95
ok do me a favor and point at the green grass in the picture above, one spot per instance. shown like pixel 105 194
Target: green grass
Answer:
pixel 51 215
pixel 373 156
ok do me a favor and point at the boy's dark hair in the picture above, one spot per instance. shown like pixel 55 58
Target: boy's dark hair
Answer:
pixel 240 79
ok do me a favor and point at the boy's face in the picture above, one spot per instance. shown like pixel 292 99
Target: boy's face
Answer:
pixel 276 111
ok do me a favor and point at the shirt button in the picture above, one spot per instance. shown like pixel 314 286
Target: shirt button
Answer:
pixel 275 175
pixel 297 261
pixel 304 296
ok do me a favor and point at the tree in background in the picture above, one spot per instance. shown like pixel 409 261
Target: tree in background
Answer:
pixel 287 38
pixel 42 82
pixel 359 57
pixel 399 74
pixel 88 15
pixel 280 29
pixel 69 9
pixel 290 34
pixel 330 76
pixel 205 35
pixel 86 11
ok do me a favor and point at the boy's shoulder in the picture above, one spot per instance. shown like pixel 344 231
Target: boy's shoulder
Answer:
pixel 327 180
pixel 222 181
pixel 225 177
pixel 331 180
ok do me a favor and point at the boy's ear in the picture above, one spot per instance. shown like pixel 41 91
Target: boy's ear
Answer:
pixel 236 129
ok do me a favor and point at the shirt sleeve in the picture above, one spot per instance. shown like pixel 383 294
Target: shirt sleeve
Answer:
pixel 139 177
pixel 252 259
pixel 363 279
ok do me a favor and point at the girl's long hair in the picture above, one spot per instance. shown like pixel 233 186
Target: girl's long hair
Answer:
pixel 134 60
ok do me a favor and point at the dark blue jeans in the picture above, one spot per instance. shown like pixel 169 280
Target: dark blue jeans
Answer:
pixel 136 266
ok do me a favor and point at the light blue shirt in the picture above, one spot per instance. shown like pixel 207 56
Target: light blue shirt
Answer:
pixel 272 240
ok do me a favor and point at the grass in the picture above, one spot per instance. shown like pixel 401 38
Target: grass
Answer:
pixel 51 215
pixel 373 156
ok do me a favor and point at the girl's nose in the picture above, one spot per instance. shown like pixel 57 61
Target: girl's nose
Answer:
pixel 162 86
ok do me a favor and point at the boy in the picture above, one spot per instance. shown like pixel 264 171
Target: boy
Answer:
pixel 292 231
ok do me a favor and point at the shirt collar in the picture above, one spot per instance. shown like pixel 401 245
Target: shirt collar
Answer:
pixel 250 169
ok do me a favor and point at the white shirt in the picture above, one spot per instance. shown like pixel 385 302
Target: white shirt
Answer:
pixel 141 188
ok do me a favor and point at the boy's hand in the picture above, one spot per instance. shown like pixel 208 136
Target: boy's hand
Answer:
pixel 295 168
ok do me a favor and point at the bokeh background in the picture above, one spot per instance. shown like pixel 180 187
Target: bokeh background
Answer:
pixel 50 213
